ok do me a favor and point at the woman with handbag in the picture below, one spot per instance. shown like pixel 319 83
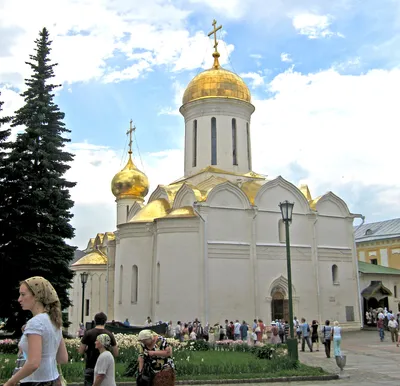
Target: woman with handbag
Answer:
pixel 42 341
pixel 156 367
pixel 326 338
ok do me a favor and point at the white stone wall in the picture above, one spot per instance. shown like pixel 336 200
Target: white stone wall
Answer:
pixel 223 110
pixel 134 247
pixel 95 292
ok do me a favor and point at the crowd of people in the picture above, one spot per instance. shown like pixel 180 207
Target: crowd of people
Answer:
pixel 42 347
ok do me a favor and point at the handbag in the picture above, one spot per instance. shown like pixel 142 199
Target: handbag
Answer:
pixel 61 380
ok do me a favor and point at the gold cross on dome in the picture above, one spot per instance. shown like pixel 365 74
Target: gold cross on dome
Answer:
pixel 130 131
pixel 214 32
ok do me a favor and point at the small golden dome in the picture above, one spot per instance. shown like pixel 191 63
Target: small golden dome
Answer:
pixel 130 182
pixel 216 83
pixel 92 258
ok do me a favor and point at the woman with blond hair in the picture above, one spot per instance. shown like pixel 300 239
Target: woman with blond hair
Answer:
pixel 42 341
pixel 156 366
pixel 337 338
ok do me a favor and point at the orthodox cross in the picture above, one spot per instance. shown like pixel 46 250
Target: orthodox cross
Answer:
pixel 130 131
pixel 214 32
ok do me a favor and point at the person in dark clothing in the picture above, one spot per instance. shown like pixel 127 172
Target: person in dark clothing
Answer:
pixel 327 337
pixel 88 348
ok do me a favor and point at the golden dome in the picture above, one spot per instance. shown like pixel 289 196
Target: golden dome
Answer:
pixel 92 258
pixel 216 83
pixel 155 209
pixel 130 182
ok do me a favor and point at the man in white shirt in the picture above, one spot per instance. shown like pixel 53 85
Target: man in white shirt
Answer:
pixel 394 329
pixel 237 330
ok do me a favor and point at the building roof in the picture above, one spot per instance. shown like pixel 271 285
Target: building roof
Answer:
pixel 376 269
pixel 381 230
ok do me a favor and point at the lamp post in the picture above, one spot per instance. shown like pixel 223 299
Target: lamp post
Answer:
pixel 287 211
pixel 84 278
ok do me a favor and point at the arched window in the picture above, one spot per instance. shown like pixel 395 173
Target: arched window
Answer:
pixel 248 145
pixel 335 274
pixel 121 283
pixel 234 142
pixel 134 284
pixel 213 141
pixel 158 284
pixel 194 163
pixel 282 231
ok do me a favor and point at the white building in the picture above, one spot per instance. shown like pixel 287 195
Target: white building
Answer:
pixel 212 244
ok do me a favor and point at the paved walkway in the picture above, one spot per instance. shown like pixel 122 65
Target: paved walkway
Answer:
pixel 369 362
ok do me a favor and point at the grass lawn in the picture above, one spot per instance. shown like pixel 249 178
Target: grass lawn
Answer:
pixel 199 365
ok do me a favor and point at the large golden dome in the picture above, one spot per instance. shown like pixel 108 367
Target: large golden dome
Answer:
pixel 130 182
pixel 216 83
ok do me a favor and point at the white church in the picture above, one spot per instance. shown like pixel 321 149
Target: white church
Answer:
pixel 211 245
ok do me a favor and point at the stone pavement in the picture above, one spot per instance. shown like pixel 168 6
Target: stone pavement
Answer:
pixel 369 362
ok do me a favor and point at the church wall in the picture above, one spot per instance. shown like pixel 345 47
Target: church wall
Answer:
pixel 271 266
pixel 334 232
pixel 179 286
pixel 338 286
pixel 230 283
pixel 229 225
pixel 94 293
pixel 135 248
pixel 268 225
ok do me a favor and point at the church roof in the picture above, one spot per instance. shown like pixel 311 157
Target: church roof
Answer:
pixel 92 258
pixel 376 269
pixel 381 230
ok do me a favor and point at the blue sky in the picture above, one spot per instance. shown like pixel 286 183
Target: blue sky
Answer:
pixel 324 77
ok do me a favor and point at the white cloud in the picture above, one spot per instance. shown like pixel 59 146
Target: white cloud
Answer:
pixel 179 89
pixel 256 79
pixel 87 33
pixel 285 57
pixel 313 26
pixel 337 130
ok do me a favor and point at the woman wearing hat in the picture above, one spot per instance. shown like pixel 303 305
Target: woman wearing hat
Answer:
pixel 156 367
pixel 42 341
pixel 104 371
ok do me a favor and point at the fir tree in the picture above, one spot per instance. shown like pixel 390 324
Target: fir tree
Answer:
pixel 37 203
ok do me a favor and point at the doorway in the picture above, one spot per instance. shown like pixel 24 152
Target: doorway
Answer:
pixel 279 306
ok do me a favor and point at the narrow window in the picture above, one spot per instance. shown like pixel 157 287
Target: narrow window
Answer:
pixel 158 284
pixel 282 231
pixel 395 291
pixel 335 274
pixel 234 142
pixel 121 283
pixel 195 143
pixel 213 141
pixel 127 212
pixel 248 145
pixel 87 307
pixel 134 284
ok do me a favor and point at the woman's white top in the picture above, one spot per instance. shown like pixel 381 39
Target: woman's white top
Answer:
pixel 337 332
pixel 51 338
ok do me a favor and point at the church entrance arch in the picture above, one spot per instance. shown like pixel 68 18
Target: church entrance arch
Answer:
pixel 279 305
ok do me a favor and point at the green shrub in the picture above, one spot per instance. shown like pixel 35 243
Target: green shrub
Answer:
pixel 199 345
pixel 8 346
